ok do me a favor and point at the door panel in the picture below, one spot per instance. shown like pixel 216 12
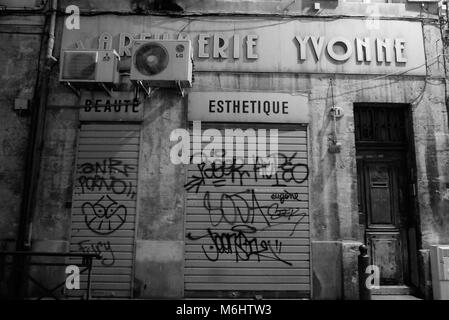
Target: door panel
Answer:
pixel 381 206
pixel 382 201
pixel 386 253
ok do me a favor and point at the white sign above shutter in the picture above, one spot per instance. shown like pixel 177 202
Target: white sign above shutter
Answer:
pixel 97 106
pixel 248 107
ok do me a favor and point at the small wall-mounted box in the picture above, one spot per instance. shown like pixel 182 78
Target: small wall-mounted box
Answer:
pixel 317 6
pixel 21 104
pixel 439 263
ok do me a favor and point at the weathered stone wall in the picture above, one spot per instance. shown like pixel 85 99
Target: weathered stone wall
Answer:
pixel 273 7
pixel 51 216
pixel 21 41
pixel 160 234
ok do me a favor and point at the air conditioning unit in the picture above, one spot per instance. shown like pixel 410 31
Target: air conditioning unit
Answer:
pixel 162 63
pixel 439 263
pixel 89 67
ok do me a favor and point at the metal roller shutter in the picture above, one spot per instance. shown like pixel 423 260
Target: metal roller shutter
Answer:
pixel 243 236
pixel 104 205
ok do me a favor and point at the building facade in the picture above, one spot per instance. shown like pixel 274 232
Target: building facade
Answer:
pixel 355 93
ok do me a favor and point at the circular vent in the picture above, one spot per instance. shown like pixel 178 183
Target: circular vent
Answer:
pixel 151 59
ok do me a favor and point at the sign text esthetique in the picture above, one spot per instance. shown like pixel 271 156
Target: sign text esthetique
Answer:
pixel 260 107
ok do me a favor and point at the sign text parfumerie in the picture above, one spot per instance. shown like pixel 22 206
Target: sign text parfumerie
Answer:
pixel 344 46
pixel 216 46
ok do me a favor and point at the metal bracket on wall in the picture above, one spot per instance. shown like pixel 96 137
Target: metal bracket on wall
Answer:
pixel 101 85
pixel 181 89
pixel 106 89
pixel 147 90
pixel 75 90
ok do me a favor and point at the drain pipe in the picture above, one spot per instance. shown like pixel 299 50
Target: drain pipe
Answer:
pixel 36 139
pixel 51 32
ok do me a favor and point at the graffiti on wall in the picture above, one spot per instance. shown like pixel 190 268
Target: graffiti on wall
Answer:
pixel 103 249
pixel 109 185
pixel 289 170
pixel 104 216
pixel 237 219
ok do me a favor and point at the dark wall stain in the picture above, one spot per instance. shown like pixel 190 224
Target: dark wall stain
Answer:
pixel 316 286
pixel 162 5
pixel 433 183
pixel 162 184
pixel 18 69
pixel 325 211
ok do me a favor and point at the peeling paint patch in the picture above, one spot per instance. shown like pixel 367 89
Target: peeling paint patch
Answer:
pixel 160 251
pixel 445 195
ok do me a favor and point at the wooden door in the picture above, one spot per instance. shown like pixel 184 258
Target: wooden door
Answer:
pixel 384 192
pixel 385 172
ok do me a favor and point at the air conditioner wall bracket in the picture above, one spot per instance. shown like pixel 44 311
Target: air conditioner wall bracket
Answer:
pixel 181 89
pixel 147 90
pixel 109 92
pixel 75 90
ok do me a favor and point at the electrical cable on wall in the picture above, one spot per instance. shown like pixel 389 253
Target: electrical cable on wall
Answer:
pixel 306 92
pixel 335 146
pixel 264 16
